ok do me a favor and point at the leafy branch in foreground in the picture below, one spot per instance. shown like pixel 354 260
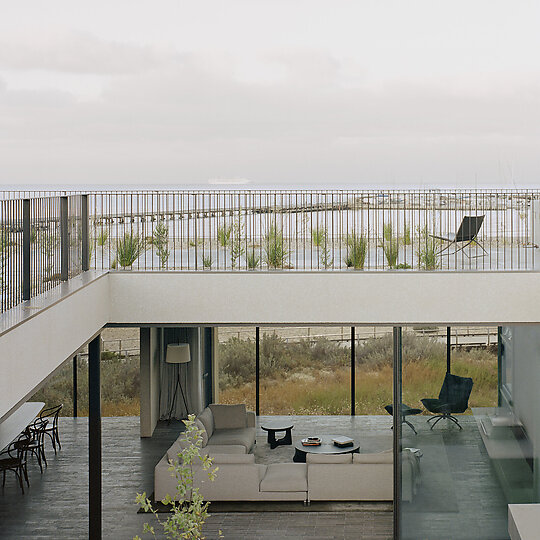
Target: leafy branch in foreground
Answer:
pixel 188 508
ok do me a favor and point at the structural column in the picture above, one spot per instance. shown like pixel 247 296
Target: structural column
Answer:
pixel 26 250
pixel 85 234
pixel 64 239
pixel 353 371
pixel 448 349
pixel 94 438
pixel 150 375
pixel 257 369
pixel 75 386
pixel 397 392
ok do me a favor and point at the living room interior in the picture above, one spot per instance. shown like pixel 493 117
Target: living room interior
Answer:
pixel 303 376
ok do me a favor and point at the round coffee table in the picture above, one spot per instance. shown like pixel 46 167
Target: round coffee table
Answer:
pixel 273 428
pixel 326 447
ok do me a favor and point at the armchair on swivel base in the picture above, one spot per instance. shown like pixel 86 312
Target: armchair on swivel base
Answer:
pixel 453 398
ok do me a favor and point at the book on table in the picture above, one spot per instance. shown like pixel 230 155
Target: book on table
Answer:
pixel 343 442
pixel 311 441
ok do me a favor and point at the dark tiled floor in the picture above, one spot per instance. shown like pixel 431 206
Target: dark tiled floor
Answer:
pixel 56 505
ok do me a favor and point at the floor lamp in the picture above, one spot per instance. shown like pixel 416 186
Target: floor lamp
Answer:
pixel 178 353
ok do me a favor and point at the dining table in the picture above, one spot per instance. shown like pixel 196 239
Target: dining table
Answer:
pixel 17 421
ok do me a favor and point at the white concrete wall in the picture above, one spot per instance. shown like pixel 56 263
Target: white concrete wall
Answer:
pixel 386 298
pixel 32 351
pixel 526 386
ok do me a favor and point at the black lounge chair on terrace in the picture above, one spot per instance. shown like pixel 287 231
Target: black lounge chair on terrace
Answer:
pixel 453 398
pixel 466 235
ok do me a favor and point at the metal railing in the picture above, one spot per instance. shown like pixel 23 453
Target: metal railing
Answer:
pixel 332 230
pixel 41 244
pixel 311 230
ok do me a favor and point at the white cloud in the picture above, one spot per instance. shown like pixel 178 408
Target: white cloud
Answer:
pixel 77 53
pixel 276 92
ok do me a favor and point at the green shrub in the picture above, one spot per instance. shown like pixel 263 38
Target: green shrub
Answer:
pixel 224 235
pixel 277 357
pixel 406 235
pixel 236 242
pixel 318 236
pixel 160 239
pixel 129 249
pixel 120 386
pixel 356 251
pixel 390 245
pixel 274 248
pixel 102 237
pixel 207 262
pixel 253 260
pixel 428 247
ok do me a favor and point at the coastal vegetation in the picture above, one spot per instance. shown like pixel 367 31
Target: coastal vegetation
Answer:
pixel 309 376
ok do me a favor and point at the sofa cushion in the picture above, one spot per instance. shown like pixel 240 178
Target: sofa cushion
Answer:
pixel 380 458
pixel 176 447
pixel 229 416
pixel 233 458
pixel 212 449
pixel 262 471
pixel 204 434
pixel 285 477
pixel 329 458
pixel 244 436
pixel 208 421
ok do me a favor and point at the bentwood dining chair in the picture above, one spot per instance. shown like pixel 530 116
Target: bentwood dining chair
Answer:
pixel 13 458
pixel 51 414
pixel 35 437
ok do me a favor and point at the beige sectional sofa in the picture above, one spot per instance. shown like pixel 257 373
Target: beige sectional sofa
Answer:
pixel 359 477
pixel 342 477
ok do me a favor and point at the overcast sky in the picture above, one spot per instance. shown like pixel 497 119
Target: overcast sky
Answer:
pixel 278 92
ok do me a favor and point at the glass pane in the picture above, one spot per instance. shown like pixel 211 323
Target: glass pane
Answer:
pixel 236 360
pixel 305 371
pixel 450 487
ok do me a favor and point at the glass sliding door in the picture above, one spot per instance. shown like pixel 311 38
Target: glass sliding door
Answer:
pixel 449 485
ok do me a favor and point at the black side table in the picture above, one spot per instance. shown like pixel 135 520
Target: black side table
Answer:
pixel 272 429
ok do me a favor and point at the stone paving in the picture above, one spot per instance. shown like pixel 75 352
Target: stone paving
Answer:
pixel 56 505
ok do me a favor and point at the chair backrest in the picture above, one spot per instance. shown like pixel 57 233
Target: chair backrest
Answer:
pixel 456 391
pixel 53 412
pixel 469 228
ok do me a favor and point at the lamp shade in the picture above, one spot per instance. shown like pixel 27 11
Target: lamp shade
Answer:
pixel 178 353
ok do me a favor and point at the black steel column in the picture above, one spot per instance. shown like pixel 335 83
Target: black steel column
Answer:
pixel 64 239
pixel 94 438
pixel 257 366
pixel 26 250
pixel 397 390
pixel 353 372
pixel 75 386
pixel 85 234
pixel 448 349
pixel 500 352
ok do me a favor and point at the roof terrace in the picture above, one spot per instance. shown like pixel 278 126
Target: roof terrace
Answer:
pixel 48 237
